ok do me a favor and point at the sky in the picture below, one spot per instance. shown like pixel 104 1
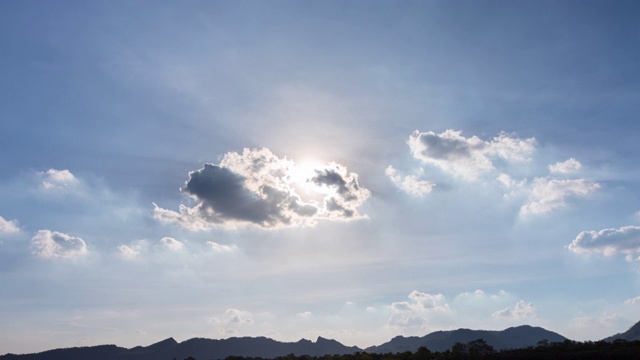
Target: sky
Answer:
pixel 355 170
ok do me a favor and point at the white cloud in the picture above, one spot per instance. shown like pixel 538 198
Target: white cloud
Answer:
pixel 57 179
pixel 633 301
pixel 417 311
pixel 129 251
pixel 221 248
pixel 171 243
pixel 231 320
pixel 409 183
pixel 521 311
pixel 235 316
pixel 257 188
pixel 53 244
pixel 508 182
pixel 468 158
pixel 625 240
pixel 304 315
pixel 566 167
pixel 547 195
pixel 8 227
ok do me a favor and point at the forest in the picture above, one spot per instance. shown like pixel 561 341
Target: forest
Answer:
pixel 479 349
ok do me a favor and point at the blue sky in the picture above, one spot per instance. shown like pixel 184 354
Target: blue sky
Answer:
pixel 354 170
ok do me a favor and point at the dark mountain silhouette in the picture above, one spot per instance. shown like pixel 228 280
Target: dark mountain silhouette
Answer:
pixel 201 349
pixel 210 349
pixel 511 338
pixel 630 335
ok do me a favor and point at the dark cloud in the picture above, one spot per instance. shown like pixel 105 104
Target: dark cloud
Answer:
pixel 439 147
pixel 224 194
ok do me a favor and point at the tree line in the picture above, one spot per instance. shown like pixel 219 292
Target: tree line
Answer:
pixel 480 349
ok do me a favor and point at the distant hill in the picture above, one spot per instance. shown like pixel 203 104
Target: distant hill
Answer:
pixel 511 338
pixel 201 349
pixel 630 335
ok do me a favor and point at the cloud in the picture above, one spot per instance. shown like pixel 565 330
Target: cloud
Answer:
pixel 567 167
pixel 547 194
pixel 625 240
pixel 8 227
pixel 53 244
pixel 235 316
pixel 410 183
pixel 221 248
pixel 129 251
pixel 416 312
pixel 304 315
pixel 57 179
pixel 171 243
pixel 468 158
pixel 257 188
pixel 509 182
pixel 521 311
pixel 633 301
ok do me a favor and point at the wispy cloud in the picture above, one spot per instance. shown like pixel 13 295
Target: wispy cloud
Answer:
pixel 546 195
pixel 222 248
pixel 409 183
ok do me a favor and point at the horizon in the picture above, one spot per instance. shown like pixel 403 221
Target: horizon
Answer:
pixel 298 169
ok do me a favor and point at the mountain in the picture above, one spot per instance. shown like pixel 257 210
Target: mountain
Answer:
pixel 201 349
pixel 630 335
pixel 511 338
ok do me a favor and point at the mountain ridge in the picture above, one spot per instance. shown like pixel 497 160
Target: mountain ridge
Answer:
pixel 630 335
pixel 510 338
pixel 215 349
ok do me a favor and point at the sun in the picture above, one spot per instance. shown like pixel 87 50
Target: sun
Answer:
pixel 300 175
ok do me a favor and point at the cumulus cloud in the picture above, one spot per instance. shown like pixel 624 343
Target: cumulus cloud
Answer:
pixel 57 179
pixel 257 188
pixel 521 311
pixel 128 251
pixel 231 320
pixel 409 183
pixel 8 227
pixel 417 310
pixel 53 244
pixel 221 248
pixel 566 167
pixel 471 157
pixel 171 243
pixel 547 194
pixel 625 240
